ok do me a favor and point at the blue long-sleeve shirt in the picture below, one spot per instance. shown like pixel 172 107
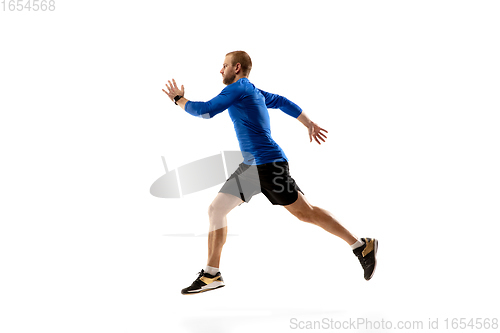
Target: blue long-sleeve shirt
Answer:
pixel 247 107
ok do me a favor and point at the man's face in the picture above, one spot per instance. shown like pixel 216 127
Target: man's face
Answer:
pixel 228 71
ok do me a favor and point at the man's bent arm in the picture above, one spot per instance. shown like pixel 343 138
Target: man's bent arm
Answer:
pixel 274 101
pixel 216 105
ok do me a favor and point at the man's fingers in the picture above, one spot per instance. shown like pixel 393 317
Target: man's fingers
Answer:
pixel 323 138
pixel 174 89
pixel 321 129
pixel 316 138
pixel 318 135
pixel 167 94
pixel 169 88
pixel 321 134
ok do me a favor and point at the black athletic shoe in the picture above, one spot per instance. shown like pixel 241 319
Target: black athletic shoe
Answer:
pixel 204 282
pixel 367 255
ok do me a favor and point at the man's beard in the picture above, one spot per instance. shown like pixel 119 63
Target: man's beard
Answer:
pixel 229 79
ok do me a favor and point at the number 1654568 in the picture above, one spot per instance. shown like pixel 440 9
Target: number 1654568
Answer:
pixel 28 5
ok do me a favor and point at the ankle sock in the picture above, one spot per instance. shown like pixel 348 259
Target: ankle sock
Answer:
pixel 211 270
pixel 358 243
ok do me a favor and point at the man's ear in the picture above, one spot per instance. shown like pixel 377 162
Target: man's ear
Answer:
pixel 237 68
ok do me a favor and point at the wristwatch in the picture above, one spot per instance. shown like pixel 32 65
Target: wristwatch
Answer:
pixel 176 98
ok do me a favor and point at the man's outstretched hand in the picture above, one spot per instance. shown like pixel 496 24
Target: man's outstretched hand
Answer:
pixel 173 90
pixel 316 132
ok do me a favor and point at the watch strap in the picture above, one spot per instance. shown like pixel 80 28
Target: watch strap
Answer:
pixel 177 98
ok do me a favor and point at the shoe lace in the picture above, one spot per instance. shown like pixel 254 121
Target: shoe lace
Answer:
pixel 200 274
pixel 196 283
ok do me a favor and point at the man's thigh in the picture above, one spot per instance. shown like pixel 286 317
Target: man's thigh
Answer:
pixel 224 203
pixel 243 183
pixel 219 208
pixel 277 183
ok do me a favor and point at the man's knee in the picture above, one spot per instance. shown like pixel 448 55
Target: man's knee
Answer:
pixel 216 217
pixel 211 211
pixel 215 211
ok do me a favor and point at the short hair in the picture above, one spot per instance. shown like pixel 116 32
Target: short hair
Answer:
pixel 244 59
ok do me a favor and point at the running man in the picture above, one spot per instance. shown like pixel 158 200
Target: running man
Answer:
pixel 264 169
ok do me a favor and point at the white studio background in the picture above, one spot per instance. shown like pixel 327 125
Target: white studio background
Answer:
pixel 407 90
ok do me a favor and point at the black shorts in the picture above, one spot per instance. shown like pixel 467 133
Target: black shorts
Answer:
pixel 272 179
